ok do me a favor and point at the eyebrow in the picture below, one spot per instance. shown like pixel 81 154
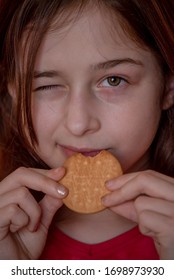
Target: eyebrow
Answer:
pixel 112 63
pixel 100 66
pixel 47 74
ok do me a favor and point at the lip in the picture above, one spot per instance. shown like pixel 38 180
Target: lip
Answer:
pixel 88 152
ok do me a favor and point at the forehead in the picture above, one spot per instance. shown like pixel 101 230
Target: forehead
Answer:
pixel 92 30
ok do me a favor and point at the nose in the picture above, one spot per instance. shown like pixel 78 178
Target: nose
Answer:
pixel 81 116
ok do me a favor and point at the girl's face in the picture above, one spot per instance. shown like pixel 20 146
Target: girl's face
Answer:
pixel 95 89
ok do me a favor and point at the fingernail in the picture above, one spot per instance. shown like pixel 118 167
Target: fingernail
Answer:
pixel 109 184
pixel 35 228
pixel 104 200
pixel 61 190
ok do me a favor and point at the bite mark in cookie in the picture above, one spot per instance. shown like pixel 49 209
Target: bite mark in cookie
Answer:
pixel 85 178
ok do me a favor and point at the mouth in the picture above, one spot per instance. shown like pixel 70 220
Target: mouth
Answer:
pixel 88 152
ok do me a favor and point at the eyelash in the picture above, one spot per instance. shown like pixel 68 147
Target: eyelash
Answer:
pixel 48 87
pixel 119 80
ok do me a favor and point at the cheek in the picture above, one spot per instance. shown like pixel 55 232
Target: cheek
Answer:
pixel 143 130
pixel 43 120
pixel 133 132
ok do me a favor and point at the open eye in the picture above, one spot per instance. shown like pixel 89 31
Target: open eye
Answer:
pixel 112 81
pixel 112 87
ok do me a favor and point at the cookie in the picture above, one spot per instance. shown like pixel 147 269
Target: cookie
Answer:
pixel 85 178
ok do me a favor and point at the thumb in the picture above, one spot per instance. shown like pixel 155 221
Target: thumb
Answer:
pixel 49 206
pixel 126 210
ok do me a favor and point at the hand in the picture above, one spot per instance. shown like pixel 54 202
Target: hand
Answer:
pixel 24 223
pixel 146 198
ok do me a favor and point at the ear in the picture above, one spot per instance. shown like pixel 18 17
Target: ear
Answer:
pixel 168 99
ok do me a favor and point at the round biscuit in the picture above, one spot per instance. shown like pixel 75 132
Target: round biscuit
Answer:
pixel 85 178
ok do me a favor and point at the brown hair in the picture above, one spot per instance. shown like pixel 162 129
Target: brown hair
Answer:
pixel 150 23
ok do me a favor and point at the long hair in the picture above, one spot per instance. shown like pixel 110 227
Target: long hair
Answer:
pixel 23 24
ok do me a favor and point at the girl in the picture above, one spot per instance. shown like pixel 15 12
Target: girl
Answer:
pixel 86 76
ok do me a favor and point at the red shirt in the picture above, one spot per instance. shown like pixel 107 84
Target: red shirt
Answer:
pixel 131 245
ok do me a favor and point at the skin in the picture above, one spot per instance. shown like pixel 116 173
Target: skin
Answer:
pixel 82 107
pixel 78 108
pixel 24 221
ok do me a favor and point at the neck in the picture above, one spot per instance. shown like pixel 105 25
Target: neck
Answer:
pixel 92 228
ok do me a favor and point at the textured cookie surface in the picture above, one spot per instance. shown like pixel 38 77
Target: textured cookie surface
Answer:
pixel 85 178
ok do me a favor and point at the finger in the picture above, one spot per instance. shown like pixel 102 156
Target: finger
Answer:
pixel 157 226
pixel 35 181
pixel 55 173
pixel 126 210
pixel 142 183
pixel 131 209
pixel 116 183
pixel 26 202
pixel 159 206
pixel 160 228
pixel 12 218
pixel 49 207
